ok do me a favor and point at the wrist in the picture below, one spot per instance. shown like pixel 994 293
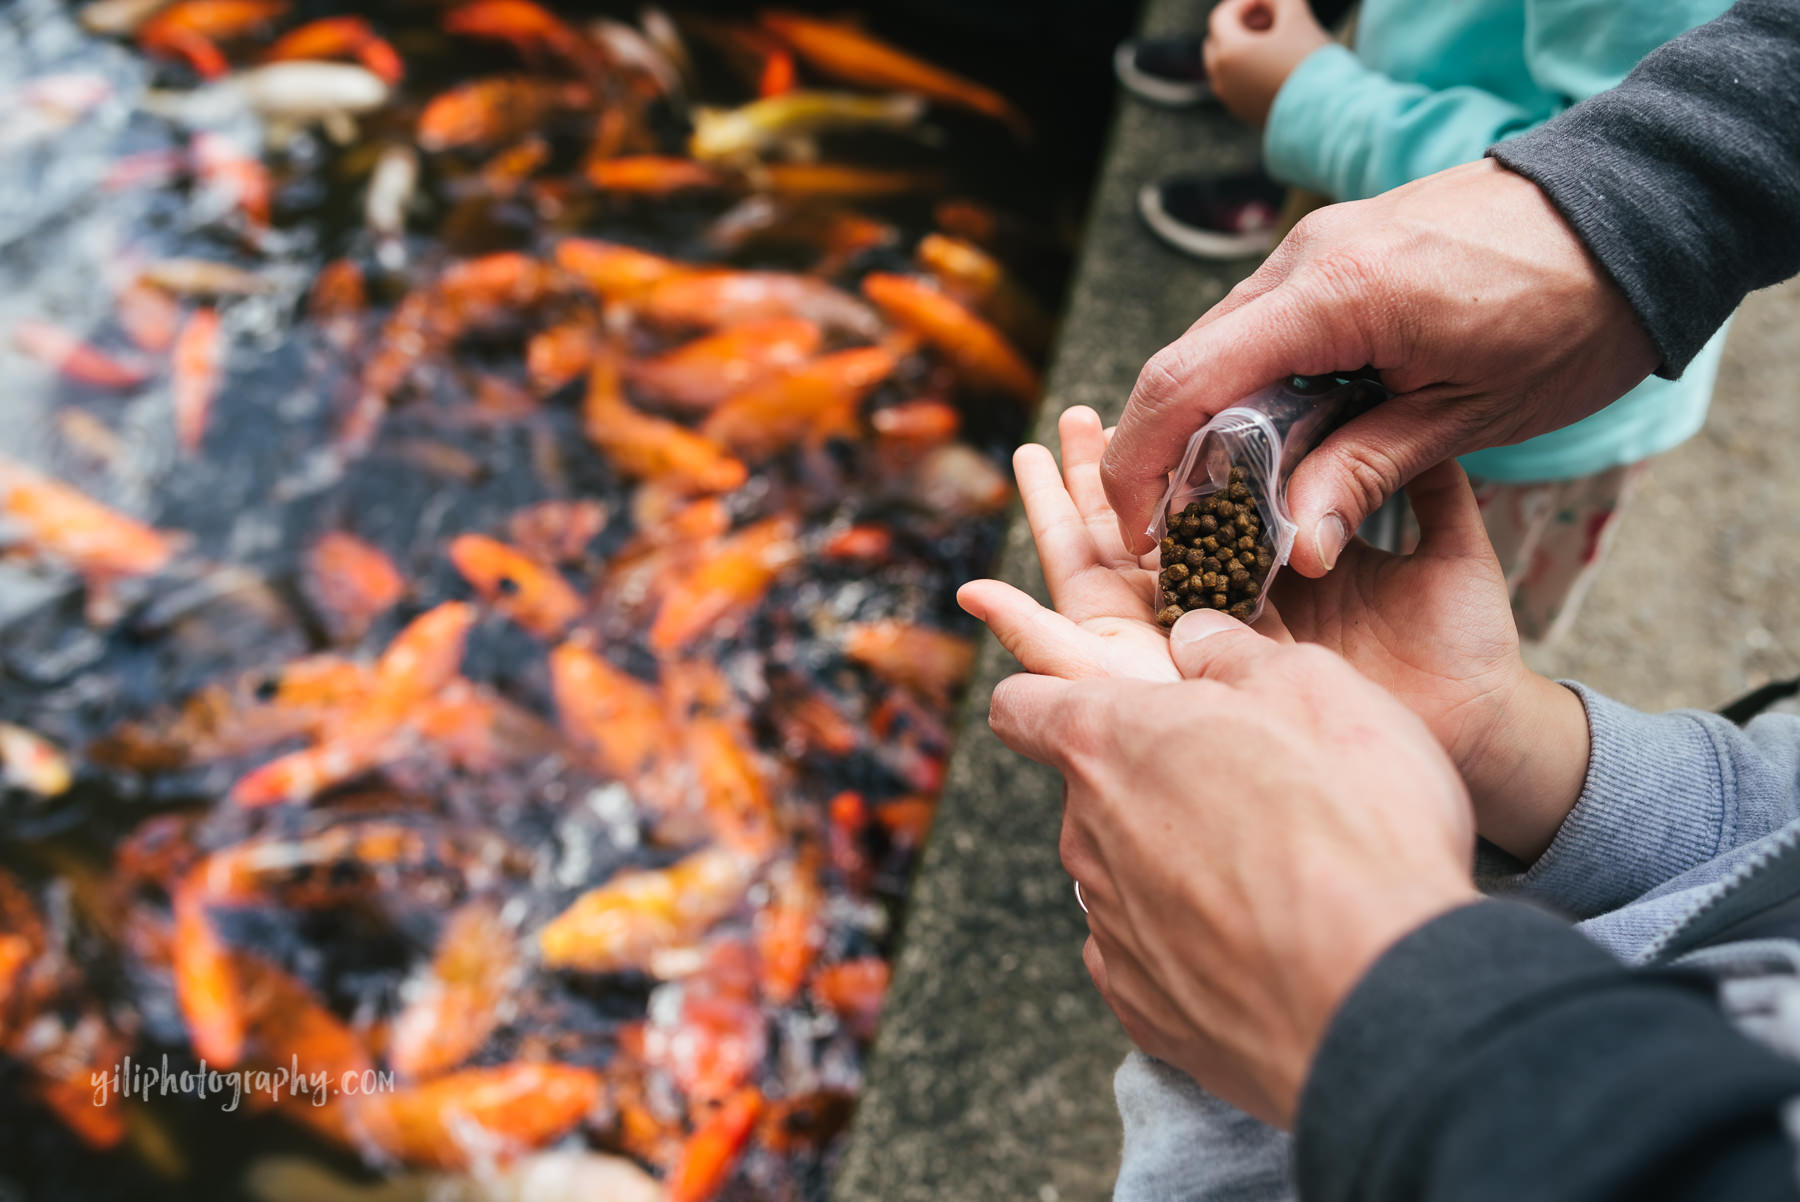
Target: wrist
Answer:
pixel 1531 767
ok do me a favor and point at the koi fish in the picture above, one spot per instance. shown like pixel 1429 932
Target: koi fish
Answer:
pixel 847 53
pixel 650 175
pixel 33 763
pixel 964 268
pixel 614 272
pixel 479 1114
pixel 609 714
pixel 203 277
pixel 196 379
pixel 778 78
pixel 932 663
pixel 309 91
pixel 556 355
pixel 790 930
pixel 699 374
pixel 459 1000
pixel 907 820
pixel 189 28
pixel 148 315
pixel 534 596
pixel 641 445
pixel 352 581
pixel 75 359
pixel 207 987
pixel 339 37
pixel 715 299
pixel 979 352
pixel 840 181
pixel 120 18
pixel 725 582
pixel 727 134
pixel 239 179
pixel 528 27
pixel 711 1153
pixel 500 108
pixel 958 481
pixel 391 187
pixel 921 422
pixel 811 403
pixel 61 523
pixel 853 991
pixel 628 921
pixel 734 794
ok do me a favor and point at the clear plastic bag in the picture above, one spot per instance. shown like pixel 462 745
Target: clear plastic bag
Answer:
pixel 1230 546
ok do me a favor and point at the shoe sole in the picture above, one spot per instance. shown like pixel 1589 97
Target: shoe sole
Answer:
pixel 1202 244
pixel 1151 89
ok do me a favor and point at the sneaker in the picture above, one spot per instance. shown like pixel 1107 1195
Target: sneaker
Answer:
pixel 1167 71
pixel 1214 216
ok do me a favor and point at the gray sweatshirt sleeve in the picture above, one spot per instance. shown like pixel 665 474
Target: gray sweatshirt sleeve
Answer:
pixel 1684 181
pixel 1664 793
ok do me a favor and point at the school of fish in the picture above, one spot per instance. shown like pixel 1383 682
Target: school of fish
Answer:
pixel 556 731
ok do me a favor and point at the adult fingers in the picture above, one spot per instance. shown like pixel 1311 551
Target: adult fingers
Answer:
pixel 1033 715
pixel 1450 525
pixel 1096 964
pixel 1042 640
pixel 1354 471
pixel 1208 645
pixel 1202 372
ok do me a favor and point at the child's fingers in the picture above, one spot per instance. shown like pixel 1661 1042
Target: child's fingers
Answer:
pixel 1083 442
pixel 1450 525
pixel 1043 641
pixel 1064 545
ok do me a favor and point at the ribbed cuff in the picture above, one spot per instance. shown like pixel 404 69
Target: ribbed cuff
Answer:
pixel 1293 150
pixel 1656 803
pixel 1422 1004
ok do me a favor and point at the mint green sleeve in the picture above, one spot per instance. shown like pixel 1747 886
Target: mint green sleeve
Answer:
pixel 1339 128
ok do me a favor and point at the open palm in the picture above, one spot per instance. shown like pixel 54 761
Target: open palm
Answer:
pixel 1102 624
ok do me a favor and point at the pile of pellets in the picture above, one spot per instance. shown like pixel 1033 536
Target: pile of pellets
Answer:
pixel 1216 555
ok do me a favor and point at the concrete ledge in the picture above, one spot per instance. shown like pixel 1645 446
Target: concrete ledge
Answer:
pixel 992 1074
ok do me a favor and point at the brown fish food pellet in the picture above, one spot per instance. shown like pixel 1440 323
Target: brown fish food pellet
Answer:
pixel 1216 556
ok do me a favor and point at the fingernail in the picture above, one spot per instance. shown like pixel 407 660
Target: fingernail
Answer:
pixel 970 605
pixel 1329 537
pixel 1197 624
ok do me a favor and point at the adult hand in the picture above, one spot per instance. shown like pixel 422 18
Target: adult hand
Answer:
pixel 1435 630
pixel 1252 46
pixel 1488 319
pixel 1103 624
pixel 1247 845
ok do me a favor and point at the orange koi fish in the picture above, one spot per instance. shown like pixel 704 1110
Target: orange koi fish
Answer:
pixel 811 403
pixel 650 175
pixel 479 1115
pixel 907 820
pixel 853 991
pixel 613 272
pixel 207 987
pixel 241 179
pixel 528 27
pixel 843 182
pixel 352 581
pixel 778 77
pixel 608 713
pixel 501 108
pixel 534 596
pixel 475 729
pixel 65 1060
pixel 932 663
pixel 148 315
pixel 339 37
pixel 847 53
pixel 75 359
pixel 790 930
pixel 733 791
pixel 714 299
pixel 641 445
pixel 197 368
pixel 638 915
pixel 922 422
pixel 473 972
pixel 717 1037
pixel 188 29
pixel 699 374
pixel 556 355
pixel 61 523
pixel 979 352
pixel 727 582
pixel 848 816
pixel 965 269
pixel 711 1153
pixel 557 531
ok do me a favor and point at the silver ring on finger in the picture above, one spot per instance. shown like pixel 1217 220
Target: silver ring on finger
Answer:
pixel 1078 900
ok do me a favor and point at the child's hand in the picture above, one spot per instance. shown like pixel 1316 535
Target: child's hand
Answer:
pixel 1252 46
pixel 1103 624
pixel 1435 629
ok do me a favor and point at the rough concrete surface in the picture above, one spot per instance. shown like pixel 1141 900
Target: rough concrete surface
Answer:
pixel 992 1074
pixel 991 1077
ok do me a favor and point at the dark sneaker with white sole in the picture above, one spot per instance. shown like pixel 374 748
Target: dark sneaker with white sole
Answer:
pixel 1214 216
pixel 1168 71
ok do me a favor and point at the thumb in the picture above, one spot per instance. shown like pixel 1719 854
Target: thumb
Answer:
pixel 1353 472
pixel 1208 645
pixel 1450 525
